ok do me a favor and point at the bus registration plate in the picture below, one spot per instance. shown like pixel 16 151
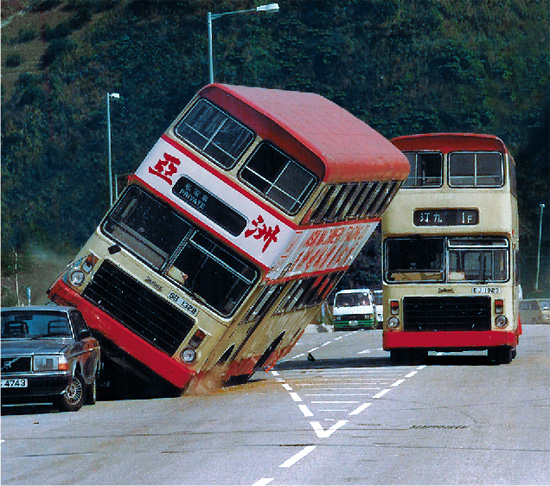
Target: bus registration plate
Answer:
pixel 486 290
pixel 15 383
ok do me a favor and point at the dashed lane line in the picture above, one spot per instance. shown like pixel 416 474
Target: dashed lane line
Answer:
pixel 319 430
pixel 296 457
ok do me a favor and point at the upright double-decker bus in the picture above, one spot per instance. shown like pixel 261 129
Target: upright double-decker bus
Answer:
pixel 232 233
pixel 450 244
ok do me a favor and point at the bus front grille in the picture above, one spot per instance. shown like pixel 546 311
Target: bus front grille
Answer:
pixel 138 308
pixel 447 313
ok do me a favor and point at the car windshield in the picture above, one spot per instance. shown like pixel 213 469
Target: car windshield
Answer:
pixel 378 297
pixel 544 305
pixel 24 324
pixel 353 299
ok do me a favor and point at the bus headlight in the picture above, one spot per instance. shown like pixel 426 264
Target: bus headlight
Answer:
pixel 501 322
pixel 393 322
pixel 77 278
pixel 188 355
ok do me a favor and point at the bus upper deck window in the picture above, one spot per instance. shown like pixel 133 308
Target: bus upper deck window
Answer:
pixel 426 170
pixel 476 169
pixel 279 178
pixel 214 133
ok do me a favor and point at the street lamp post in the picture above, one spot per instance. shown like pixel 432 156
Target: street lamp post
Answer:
pixel 115 96
pixel 540 238
pixel 270 7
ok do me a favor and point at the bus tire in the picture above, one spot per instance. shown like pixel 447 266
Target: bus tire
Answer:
pixel 399 356
pixel 501 354
pixel 405 357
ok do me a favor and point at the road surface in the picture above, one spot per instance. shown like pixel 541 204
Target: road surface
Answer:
pixel 345 417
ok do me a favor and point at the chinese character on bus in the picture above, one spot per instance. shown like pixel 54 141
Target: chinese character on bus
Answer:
pixel 166 168
pixel 262 231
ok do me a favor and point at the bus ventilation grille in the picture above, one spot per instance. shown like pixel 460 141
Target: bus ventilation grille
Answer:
pixel 447 313
pixel 138 308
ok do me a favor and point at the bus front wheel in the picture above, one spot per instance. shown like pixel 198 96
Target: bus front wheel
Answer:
pixel 407 356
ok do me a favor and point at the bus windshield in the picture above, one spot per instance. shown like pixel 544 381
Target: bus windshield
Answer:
pixel 415 259
pixel 447 259
pixel 175 248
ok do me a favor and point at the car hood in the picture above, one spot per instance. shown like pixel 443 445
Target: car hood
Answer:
pixel 12 347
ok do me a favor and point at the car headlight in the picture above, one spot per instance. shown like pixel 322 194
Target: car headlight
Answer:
pixel 393 322
pixel 50 362
pixel 501 322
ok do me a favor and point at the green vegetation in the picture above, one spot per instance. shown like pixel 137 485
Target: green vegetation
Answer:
pixel 402 66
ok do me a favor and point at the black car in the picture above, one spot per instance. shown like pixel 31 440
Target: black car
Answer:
pixel 48 353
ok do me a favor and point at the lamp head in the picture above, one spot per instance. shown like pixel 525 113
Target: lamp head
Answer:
pixel 270 7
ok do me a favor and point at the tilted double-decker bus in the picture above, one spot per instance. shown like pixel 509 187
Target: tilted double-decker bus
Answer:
pixel 232 233
pixel 450 244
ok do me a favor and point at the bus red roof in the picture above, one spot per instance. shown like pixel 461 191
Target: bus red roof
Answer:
pixel 327 139
pixel 449 142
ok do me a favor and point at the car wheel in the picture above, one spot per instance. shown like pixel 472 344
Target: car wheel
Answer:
pixel 91 393
pixel 74 395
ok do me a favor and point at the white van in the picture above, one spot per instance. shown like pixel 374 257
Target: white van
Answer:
pixel 353 309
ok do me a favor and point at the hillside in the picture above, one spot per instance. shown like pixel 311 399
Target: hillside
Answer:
pixel 402 66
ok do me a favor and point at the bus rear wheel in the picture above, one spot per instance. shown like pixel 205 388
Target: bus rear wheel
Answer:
pixel 501 354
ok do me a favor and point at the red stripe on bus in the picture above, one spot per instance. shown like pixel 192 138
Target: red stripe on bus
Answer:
pixel 165 366
pixel 449 339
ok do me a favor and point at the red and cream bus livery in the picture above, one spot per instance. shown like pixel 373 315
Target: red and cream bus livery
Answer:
pixel 232 232
pixel 450 243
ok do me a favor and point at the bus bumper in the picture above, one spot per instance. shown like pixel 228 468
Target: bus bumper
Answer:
pixel 449 340
pixel 160 363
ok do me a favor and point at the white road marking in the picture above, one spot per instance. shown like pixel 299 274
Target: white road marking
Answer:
pixel 322 433
pixel 335 401
pixel 295 397
pixel 296 457
pixel 263 482
pixel 360 408
pixel 287 387
pixel 382 393
pixel 366 351
pixel 306 411
pixel 275 373
pixel 398 382
pixel 411 374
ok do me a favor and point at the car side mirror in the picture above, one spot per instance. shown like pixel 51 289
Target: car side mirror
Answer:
pixel 85 333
